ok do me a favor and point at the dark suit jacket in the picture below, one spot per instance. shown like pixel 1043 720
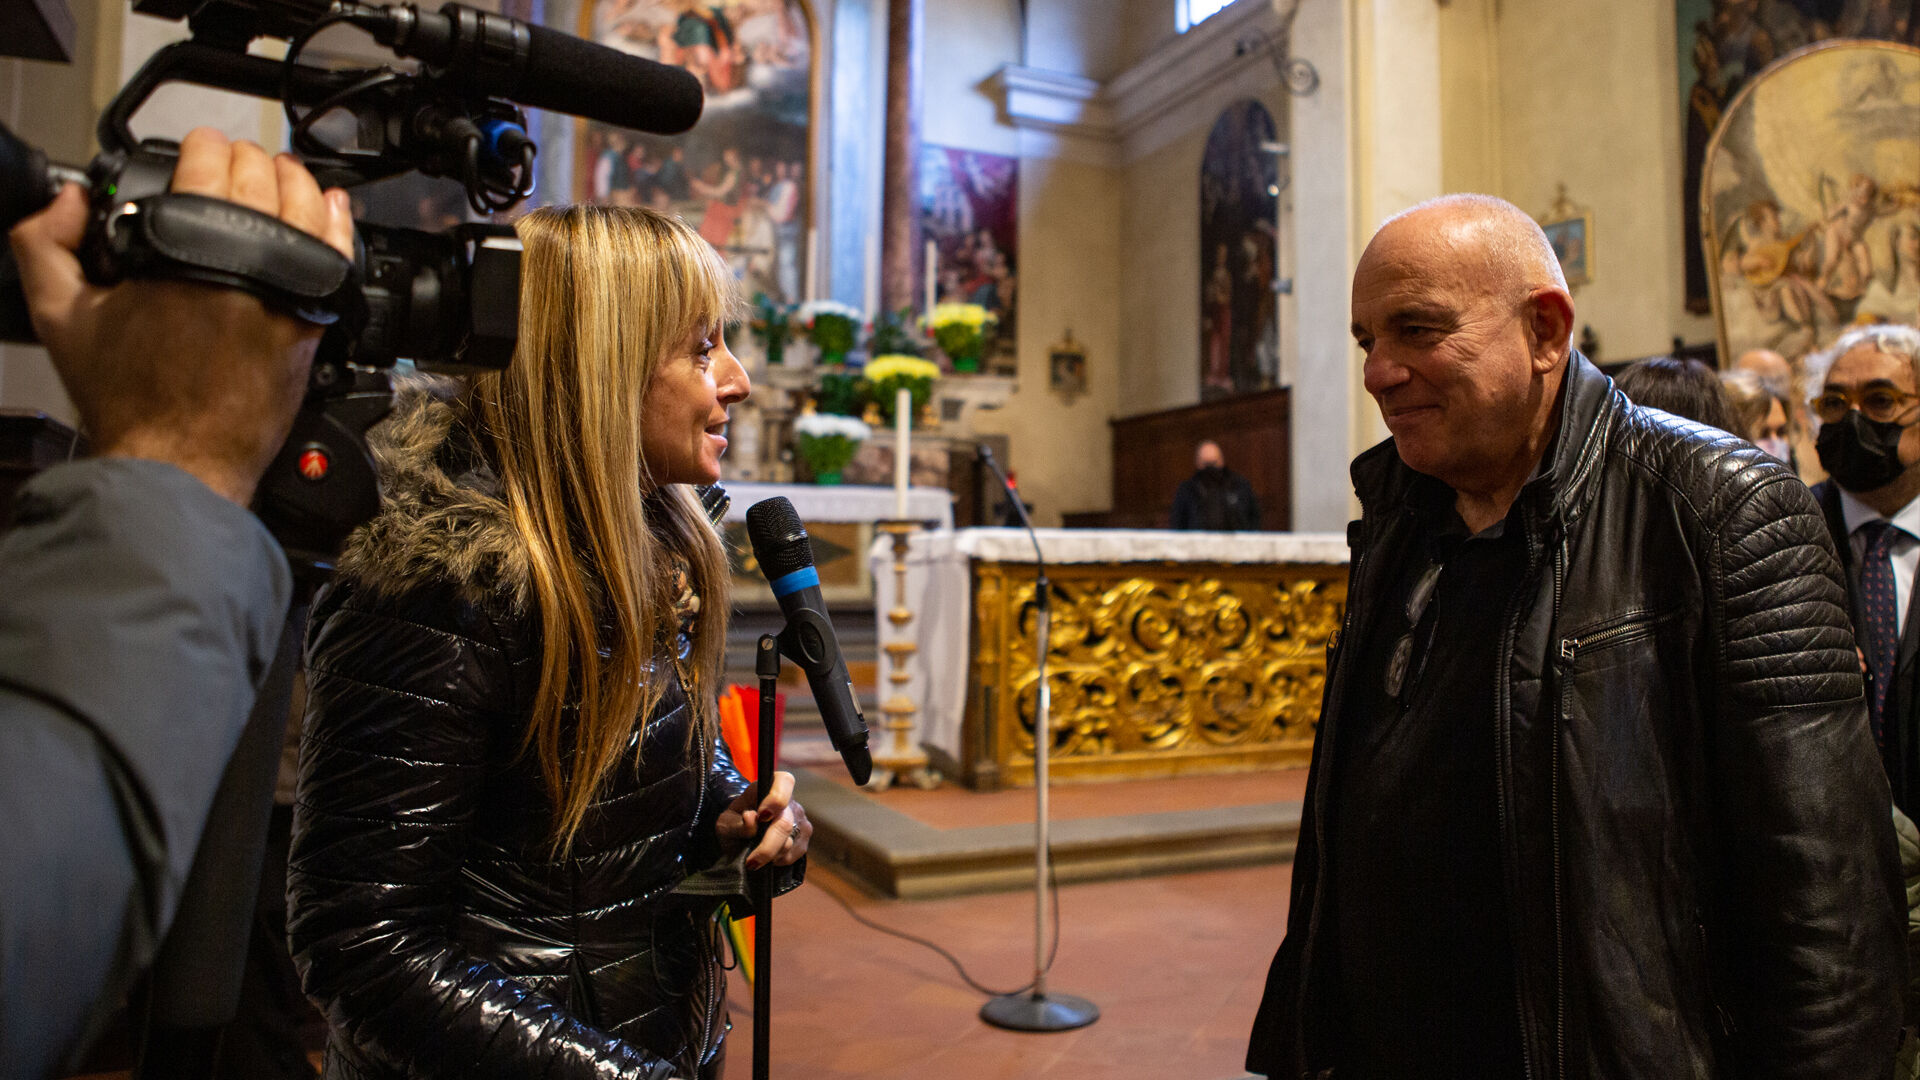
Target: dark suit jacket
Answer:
pixel 1902 750
pixel 138 611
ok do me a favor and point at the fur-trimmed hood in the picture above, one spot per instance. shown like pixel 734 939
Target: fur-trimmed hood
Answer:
pixel 443 513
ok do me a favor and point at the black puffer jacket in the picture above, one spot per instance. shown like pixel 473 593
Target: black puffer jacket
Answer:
pixel 426 916
pixel 1694 825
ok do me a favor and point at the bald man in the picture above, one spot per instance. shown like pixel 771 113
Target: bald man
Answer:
pixel 1593 793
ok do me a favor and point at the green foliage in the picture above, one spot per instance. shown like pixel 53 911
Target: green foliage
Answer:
pixel 842 393
pixel 894 335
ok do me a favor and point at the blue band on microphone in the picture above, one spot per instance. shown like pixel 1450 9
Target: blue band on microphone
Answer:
pixel 802 578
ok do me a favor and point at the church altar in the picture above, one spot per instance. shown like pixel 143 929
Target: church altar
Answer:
pixel 862 503
pixel 1170 653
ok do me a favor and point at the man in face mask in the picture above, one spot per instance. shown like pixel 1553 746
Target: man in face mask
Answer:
pixel 1868 405
pixel 1214 498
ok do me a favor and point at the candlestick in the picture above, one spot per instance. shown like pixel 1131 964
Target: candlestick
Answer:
pixel 933 272
pixel 902 434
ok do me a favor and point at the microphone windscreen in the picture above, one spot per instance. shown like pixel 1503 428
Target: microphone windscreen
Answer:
pixel 582 78
pixel 779 540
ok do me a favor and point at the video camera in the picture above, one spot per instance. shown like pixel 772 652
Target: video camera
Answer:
pixel 446 301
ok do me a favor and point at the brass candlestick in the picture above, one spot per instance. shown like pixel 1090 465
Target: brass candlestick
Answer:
pixel 901 759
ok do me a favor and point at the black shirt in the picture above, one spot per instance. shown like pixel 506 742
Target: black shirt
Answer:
pixel 1423 972
pixel 1215 499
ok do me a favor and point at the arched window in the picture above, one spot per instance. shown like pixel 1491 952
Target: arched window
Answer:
pixel 1188 14
pixel 1239 309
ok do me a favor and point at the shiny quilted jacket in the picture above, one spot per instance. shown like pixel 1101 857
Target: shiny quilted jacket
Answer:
pixel 427 916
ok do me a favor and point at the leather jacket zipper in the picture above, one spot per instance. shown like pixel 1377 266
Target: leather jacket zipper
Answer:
pixel 1502 698
pixel 1319 794
pixel 1553 818
pixel 1639 624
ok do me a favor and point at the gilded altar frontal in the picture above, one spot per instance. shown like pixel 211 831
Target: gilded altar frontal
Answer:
pixel 1156 669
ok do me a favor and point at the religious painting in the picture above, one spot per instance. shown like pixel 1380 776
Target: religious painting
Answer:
pixel 1569 229
pixel 1239 200
pixel 1812 198
pixel 1067 368
pixel 970 214
pixel 1725 43
pixel 741 175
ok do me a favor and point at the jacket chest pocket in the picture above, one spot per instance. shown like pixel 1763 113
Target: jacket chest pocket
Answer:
pixel 1621 717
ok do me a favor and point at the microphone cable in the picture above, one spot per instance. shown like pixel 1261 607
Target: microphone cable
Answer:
pixel 1052 951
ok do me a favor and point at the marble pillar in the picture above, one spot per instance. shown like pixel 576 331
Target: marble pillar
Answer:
pixel 900 198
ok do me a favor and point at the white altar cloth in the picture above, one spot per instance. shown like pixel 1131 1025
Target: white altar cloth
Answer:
pixel 844 502
pixel 940 586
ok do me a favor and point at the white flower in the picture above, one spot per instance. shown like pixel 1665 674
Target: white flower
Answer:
pixel 824 425
pixel 829 307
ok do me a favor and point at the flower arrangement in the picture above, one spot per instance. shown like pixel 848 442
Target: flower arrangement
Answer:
pixel 832 327
pixel 961 331
pixel 772 326
pixel 827 442
pixel 887 374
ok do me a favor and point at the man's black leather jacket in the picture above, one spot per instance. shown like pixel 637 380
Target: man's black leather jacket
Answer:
pixel 1694 826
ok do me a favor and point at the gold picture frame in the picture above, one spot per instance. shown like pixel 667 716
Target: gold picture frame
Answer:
pixel 1569 228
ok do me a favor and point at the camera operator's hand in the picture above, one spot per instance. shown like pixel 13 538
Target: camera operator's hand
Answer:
pixel 204 378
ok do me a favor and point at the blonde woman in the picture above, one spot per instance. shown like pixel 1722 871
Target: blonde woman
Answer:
pixel 510 767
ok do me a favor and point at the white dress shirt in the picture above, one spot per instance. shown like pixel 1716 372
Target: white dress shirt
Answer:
pixel 1904 553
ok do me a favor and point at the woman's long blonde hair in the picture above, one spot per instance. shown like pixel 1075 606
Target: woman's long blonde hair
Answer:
pixel 607 294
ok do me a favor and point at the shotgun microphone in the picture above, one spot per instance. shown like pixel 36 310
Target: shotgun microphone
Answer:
pixel 780 544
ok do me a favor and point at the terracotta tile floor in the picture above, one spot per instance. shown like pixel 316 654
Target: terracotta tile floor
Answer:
pixel 1176 965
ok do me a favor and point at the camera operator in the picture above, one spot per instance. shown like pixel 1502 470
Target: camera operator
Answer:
pixel 143 602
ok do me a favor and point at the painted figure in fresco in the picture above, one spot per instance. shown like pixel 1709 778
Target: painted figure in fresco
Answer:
pixel 1219 321
pixel 1847 265
pixel 1778 270
pixel 1899 299
pixel 702 41
pixel 719 185
pixel 783 210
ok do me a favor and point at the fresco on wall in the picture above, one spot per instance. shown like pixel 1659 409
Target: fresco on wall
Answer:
pixel 740 176
pixel 1239 333
pixel 1813 198
pixel 1725 43
pixel 969 210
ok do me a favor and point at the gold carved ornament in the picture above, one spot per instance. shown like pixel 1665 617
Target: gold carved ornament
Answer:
pixel 1154 671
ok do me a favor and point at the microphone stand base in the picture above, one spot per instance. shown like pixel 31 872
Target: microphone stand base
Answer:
pixel 1039 1012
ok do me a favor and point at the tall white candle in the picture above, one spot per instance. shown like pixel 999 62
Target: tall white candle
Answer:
pixel 902 433
pixel 813 262
pixel 932 273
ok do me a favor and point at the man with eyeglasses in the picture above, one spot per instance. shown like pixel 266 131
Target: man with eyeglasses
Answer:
pixel 1593 793
pixel 1869 443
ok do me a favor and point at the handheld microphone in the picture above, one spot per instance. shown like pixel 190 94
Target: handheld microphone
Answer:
pixel 780 544
pixel 542 68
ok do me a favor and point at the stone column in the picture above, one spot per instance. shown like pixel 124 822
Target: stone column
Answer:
pixel 900 200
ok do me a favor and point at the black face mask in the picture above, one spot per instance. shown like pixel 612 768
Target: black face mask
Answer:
pixel 1861 454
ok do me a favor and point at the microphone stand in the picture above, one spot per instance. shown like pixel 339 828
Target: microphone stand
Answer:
pixel 1035 1009
pixel 766 664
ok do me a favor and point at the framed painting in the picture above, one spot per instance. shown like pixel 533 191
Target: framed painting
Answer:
pixel 1569 229
pixel 742 176
pixel 970 214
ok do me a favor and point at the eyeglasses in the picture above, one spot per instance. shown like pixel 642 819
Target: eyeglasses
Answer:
pixel 1398 663
pixel 1881 404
